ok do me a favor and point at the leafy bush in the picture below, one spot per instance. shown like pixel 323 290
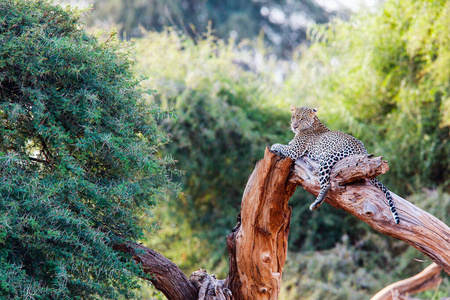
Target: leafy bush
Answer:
pixel 353 271
pixel 79 161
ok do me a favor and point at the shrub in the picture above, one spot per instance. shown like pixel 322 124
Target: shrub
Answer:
pixel 79 160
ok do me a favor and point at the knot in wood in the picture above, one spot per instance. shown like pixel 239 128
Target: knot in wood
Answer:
pixel 263 289
pixel 369 209
pixel 263 231
pixel 266 257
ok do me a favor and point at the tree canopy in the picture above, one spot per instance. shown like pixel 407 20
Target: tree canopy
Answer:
pixel 79 162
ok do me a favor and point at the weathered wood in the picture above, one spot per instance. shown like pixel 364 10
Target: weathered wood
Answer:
pixel 163 273
pixel 233 281
pixel 417 227
pixel 425 280
pixel 258 244
pixel 210 288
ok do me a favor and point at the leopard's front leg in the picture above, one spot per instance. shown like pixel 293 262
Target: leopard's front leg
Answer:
pixel 285 150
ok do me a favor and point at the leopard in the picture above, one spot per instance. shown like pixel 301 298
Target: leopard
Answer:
pixel 316 141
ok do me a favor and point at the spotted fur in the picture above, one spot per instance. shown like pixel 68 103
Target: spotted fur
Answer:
pixel 314 139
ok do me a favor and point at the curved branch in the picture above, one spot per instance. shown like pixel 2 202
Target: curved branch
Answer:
pixel 165 275
pixel 424 281
pixel 417 227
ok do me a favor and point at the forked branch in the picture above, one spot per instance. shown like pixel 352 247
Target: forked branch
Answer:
pixel 258 244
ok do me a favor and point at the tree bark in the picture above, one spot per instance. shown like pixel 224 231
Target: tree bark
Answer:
pixel 425 280
pixel 258 244
pixel 210 288
pixel 164 274
pixel 418 228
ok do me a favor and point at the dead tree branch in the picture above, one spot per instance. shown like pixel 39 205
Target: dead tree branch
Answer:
pixel 418 228
pixel 164 274
pixel 258 244
pixel 425 280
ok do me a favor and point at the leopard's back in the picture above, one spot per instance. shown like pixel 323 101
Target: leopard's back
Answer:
pixel 334 146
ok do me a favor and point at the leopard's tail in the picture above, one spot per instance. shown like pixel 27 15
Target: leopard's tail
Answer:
pixel 379 185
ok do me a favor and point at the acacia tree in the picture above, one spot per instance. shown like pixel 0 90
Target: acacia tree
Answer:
pixel 79 160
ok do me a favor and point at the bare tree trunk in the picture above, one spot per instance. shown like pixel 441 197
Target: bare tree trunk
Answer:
pixel 425 280
pixel 258 244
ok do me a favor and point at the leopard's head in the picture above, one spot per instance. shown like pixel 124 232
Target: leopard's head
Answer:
pixel 302 118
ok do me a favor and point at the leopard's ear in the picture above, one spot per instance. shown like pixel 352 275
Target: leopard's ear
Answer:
pixel 315 110
pixel 293 108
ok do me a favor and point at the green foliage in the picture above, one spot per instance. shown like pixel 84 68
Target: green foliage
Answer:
pixel 322 229
pixel 79 159
pixel 224 122
pixel 343 272
pixel 359 270
pixel 148 291
pixel 384 78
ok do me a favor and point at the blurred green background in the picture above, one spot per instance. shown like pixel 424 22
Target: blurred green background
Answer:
pixel 230 70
